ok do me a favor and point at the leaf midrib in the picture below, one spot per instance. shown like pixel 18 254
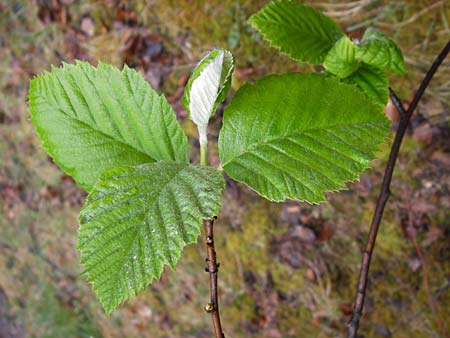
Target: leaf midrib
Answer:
pixel 75 118
pixel 155 192
pixel 254 146
pixel 310 36
pixel 144 213
pixel 312 33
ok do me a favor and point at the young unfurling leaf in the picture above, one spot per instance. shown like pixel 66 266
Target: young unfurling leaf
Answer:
pixel 378 50
pixel 373 82
pixel 341 60
pixel 207 87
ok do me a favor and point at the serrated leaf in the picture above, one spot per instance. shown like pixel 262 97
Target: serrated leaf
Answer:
pixel 296 136
pixel 208 86
pixel 297 30
pixel 341 60
pixel 378 50
pixel 90 119
pixel 373 82
pixel 138 219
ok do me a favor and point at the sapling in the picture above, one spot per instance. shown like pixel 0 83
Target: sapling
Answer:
pixel 291 136
pixel 308 36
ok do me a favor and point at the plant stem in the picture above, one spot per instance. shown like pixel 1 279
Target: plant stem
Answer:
pixel 213 270
pixel 212 265
pixel 203 153
pixel 385 192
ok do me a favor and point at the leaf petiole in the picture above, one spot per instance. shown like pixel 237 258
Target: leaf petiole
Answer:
pixel 204 153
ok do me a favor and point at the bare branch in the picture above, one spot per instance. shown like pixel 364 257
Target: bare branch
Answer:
pixel 385 193
pixel 397 103
pixel 213 269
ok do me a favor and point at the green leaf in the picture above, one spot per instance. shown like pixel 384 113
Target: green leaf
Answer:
pixel 341 60
pixel 373 82
pixel 90 119
pixel 297 30
pixel 137 219
pixel 208 86
pixel 378 50
pixel 296 136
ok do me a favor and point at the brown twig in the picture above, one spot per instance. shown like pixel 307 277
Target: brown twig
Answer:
pixel 385 193
pixel 397 102
pixel 213 270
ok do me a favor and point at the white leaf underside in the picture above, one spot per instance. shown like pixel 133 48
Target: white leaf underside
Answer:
pixel 204 92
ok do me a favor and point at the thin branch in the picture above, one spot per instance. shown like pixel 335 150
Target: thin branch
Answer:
pixel 385 193
pixel 397 103
pixel 213 270
pixel 212 265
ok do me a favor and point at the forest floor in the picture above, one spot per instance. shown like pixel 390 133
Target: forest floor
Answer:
pixel 287 270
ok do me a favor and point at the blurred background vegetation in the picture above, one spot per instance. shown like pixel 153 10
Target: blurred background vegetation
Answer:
pixel 288 270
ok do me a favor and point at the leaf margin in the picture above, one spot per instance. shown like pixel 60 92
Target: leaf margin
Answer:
pixel 84 220
pixel 384 122
pixel 35 96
